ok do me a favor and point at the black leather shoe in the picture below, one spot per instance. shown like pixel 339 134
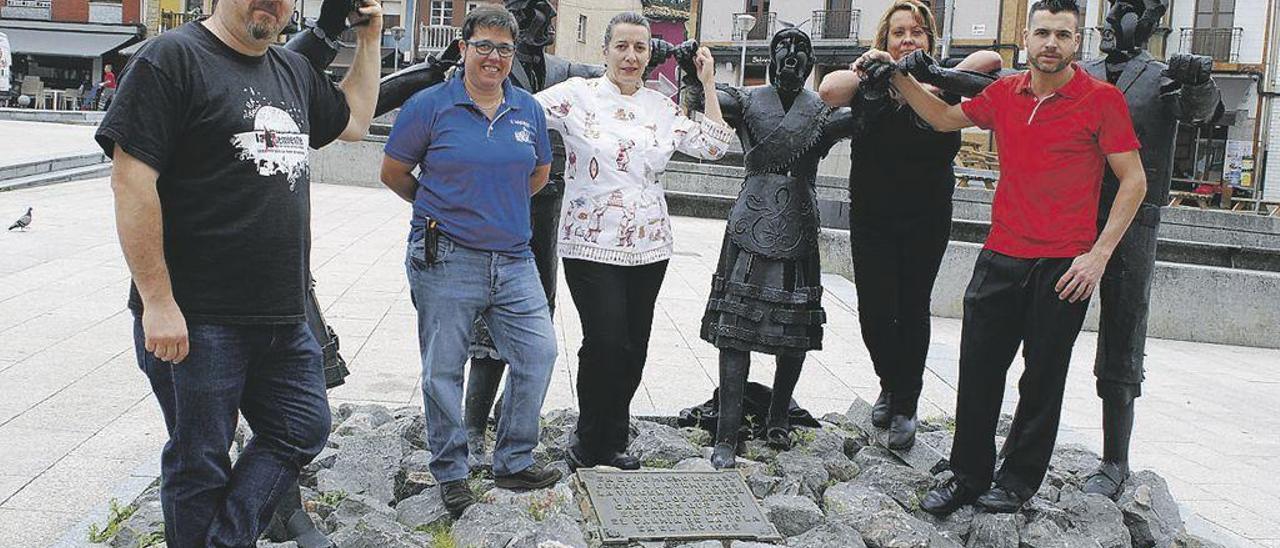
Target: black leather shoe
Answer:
pixel 999 500
pixel 1108 480
pixel 948 497
pixel 623 461
pixel 576 461
pixel 457 497
pixel 533 477
pixel 723 456
pixel 880 414
pixel 902 432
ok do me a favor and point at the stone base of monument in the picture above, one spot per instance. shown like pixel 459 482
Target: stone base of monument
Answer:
pixel 836 488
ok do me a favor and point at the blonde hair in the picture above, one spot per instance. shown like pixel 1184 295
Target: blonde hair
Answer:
pixel 922 13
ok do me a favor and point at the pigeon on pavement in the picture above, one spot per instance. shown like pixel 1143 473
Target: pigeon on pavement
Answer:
pixel 23 222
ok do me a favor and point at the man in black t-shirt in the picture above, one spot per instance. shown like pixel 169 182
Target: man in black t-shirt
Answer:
pixel 210 130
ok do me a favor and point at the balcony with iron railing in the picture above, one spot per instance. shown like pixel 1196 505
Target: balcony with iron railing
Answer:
pixel 432 39
pixel 1222 44
pixel 763 29
pixel 836 24
pixel 173 19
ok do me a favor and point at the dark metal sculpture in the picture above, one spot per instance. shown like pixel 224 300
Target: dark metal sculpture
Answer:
pixel 766 292
pixel 1159 97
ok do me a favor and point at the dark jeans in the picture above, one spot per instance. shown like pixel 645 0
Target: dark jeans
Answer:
pixel 615 304
pixel 1011 301
pixel 270 374
pixel 895 262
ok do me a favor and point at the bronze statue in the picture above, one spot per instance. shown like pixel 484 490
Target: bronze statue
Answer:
pixel 1159 97
pixel 767 290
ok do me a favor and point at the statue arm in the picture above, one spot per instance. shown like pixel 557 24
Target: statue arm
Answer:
pixel 730 102
pixel 583 70
pixel 394 89
pixel 1187 86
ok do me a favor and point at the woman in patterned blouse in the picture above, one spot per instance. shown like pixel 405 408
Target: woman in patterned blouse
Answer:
pixel 615 233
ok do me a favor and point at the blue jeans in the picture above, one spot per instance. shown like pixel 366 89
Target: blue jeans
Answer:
pixel 449 294
pixel 270 374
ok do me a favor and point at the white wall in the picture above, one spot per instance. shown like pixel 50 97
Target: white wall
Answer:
pixel 598 13
pixel 1251 17
pixel 717 19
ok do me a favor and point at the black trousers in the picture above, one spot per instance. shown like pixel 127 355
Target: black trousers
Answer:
pixel 1011 301
pixel 544 212
pixel 615 304
pixel 1125 294
pixel 895 262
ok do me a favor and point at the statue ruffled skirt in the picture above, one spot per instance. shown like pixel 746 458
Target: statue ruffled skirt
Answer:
pixel 758 304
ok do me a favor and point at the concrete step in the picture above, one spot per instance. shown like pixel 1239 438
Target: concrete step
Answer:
pixel 50 165
pixel 61 176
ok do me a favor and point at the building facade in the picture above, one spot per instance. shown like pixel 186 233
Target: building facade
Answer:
pixel 63 43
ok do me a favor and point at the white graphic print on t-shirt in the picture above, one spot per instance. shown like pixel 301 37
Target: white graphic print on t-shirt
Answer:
pixel 276 146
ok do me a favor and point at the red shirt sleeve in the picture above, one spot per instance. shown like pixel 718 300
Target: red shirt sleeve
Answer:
pixel 981 110
pixel 109 79
pixel 1115 133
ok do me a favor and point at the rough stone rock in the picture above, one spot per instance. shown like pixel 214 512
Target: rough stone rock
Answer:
pixel 485 525
pixel 697 436
pixel 269 544
pixel 697 464
pixel 826 442
pixel 840 468
pixel 762 483
pixel 414 475
pixel 758 450
pixel 353 507
pixel 873 455
pixel 750 544
pixel 904 485
pixel 939 440
pixel 1042 509
pixel 1096 517
pixel 412 431
pixel 1045 533
pixel 994 531
pixel 1188 540
pixel 792 515
pixel 146 520
pixel 702 544
pixel 856 503
pixel 1149 510
pixel 422 509
pixel 955 526
pixel 808 471
pixel 1074 459
pixel 896 529
pixel 538 504
pixel 375 531
pixel 661 446
pixel 326 458
pixel 557 431
pixel 363 419
pixel 831 534
pixel 366 464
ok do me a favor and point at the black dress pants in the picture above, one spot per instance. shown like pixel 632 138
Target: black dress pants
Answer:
pixel 895 263
pixel 1011 301
pixel 615 304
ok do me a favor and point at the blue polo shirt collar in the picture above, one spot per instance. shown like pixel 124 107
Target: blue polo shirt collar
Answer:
pixel 458 93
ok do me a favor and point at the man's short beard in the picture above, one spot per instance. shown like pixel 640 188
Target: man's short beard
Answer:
pixel 1066 61
pixel 259 31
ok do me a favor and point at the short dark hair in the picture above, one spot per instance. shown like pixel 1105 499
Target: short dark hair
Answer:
pixel 492 17
pixel 1056 6
pixel 629 18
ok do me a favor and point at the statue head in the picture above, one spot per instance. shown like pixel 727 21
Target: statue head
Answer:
pixel 1130 23
pixel 535 18
pixel 790 59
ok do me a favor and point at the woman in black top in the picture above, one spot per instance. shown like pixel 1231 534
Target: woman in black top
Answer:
pixel 900 185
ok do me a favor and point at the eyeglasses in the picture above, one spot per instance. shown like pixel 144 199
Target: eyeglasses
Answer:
pixel 485 47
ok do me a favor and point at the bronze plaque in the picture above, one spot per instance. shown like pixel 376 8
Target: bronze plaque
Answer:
pixel 674 505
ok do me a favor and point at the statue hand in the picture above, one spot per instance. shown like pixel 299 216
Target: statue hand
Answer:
pixel 876 73
pixel 333 17
pixel 659 51
pixel 1189 69
pixel 919 64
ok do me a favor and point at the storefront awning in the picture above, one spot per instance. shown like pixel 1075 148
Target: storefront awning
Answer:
pixel 66 42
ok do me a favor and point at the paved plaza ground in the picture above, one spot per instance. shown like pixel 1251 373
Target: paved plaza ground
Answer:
pixel 77 419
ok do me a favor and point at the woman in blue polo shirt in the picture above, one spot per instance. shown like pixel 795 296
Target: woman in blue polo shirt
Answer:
pixel 483 150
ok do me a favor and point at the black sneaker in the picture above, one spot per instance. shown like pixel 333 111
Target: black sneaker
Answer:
pixel 902 432
pixel 880 414
pixel 457 497
pixel 999 500
pixel 533 477
pixel 948 497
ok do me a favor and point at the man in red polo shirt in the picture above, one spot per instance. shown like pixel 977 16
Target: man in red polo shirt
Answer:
pixel 1055 126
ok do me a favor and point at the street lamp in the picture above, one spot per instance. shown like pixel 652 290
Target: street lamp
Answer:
pixel 743 23
pixel 397 33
